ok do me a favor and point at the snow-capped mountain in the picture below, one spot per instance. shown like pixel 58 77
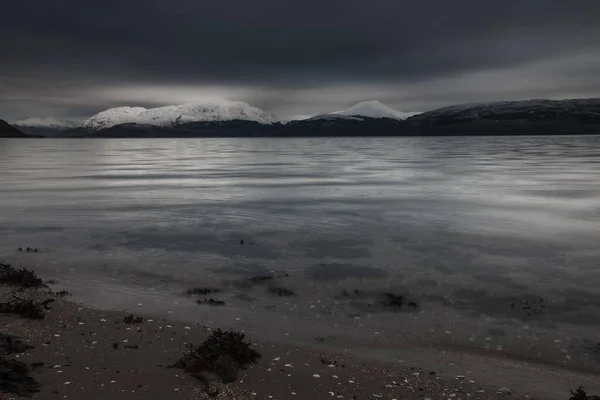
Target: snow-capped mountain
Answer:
pixel 48 122
pixel 172 116
pixel 300 117
pixel 334 117
pixel 48 126
pixel 375 109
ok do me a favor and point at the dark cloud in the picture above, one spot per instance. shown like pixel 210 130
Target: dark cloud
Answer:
pixel 74 55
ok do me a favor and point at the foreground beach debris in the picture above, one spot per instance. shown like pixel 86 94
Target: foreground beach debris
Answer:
pixel 222 355
pixel 26 308
pixel 281 291
pixel 11 345
pixel 14 375
pixel 15 378
pixel 82 339
pixel 131 319
pixel 199 291
pixel 580 394
pixel 19 277
pixel 211 302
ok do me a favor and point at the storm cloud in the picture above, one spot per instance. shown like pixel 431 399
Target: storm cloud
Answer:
pixel 75 58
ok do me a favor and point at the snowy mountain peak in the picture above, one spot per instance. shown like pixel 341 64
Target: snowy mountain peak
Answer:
pixel 48 122
pixel 171 116
pixel 374 109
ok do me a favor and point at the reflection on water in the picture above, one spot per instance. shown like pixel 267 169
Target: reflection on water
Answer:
pixel 472 225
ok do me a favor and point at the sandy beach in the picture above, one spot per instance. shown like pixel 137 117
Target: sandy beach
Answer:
pixel 85 353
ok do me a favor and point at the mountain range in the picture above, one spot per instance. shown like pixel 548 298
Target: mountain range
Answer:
pixel 368 118
pixel 9 131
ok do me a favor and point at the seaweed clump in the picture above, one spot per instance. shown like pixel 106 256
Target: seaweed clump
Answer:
pixel 580 394
pixel 11 345
pixel 261 278
pixel 26 308
pixel 211 302
pixel 281 291
pixel 15 378
pixel 130 319
pixel 201 291
pixel 19 277
pixel 391 300
pixel 222 355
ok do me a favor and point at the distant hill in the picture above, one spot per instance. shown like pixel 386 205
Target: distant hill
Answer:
pixel 48 127
pixel 528 117
pixel 531 117
pixel 8 131
pixel 375 109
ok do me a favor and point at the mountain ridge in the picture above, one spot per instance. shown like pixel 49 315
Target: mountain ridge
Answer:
pixel 171 116
pixel 374 109
pixel 9 131
pixel 527 117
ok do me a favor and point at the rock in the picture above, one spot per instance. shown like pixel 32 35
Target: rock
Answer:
pixel 505 391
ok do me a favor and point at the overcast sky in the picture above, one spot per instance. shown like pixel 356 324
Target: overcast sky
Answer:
pixel 75 58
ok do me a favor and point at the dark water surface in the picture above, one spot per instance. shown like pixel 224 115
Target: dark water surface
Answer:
pixel 496 239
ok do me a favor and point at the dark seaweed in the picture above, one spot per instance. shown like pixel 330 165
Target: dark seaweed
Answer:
pixel 130 319
pixel 15 378
pixel 211 302
pixel 281 291
pixel 222 354
pixel 11 345
pixel 201 291
pixel 19 277
pixel 26 308
pixel 580 394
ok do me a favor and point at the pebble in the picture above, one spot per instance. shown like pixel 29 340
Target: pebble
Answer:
pixel 504 390
pixel 316 376
pixel 460 377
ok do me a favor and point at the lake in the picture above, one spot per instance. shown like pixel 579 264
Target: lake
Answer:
pixel 495 238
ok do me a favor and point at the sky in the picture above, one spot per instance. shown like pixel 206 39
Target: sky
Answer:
pixel 74 58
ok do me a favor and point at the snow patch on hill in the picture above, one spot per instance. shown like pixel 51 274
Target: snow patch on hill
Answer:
pixel 172 116
pixel 48 122
pixel 375 109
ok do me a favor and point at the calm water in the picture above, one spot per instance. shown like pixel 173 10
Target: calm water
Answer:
pixel 467 227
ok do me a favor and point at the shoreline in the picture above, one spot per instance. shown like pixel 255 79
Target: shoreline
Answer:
pixel 76 345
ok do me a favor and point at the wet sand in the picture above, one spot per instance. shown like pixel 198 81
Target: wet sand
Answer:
pixel 77 346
